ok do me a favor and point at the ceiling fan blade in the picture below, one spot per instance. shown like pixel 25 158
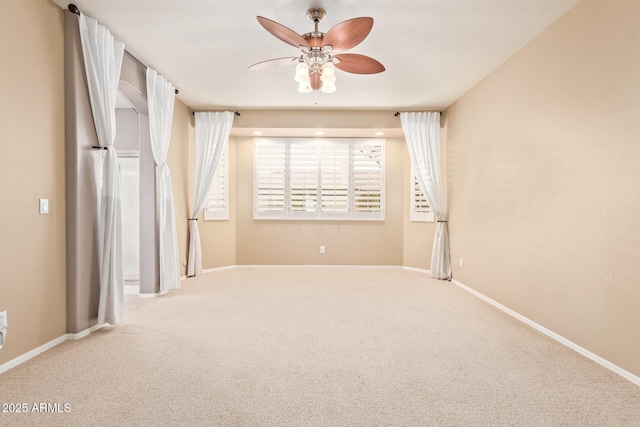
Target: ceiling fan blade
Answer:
pixel 283 33
pixel 358 64
pixel 273 63
pixel 316 83
pixel 348 34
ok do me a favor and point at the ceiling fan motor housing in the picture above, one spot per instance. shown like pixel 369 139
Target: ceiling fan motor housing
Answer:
pixel 316 14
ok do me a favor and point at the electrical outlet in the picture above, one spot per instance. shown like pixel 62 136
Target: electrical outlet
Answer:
pixel 461 263
pixel 322 250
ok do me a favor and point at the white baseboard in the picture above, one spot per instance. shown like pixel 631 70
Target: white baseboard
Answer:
pixel 417 270
pixel 562 340
pixel 154 295
pixel 131 289
pixel 84 333
pixel 272 266
pixel 210 270
pixel 44 347
pixel 31 354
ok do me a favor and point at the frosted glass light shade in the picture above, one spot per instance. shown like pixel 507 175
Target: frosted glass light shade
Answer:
pixel 302 72
pixel 328 87
pixel 328 72
pixel 305 87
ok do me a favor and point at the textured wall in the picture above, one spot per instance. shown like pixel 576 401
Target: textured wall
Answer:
pixel 32 246
pixel 543 181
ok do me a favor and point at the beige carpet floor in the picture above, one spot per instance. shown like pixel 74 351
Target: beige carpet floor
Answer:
pixel 317 347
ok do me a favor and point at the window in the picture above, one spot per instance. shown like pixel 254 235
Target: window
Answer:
pixel 319 179
pixel 217 207
pixel 420 209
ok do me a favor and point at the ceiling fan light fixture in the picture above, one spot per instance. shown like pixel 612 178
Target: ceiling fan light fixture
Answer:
pixel 302 72
pixel 305 86
pixel 328 72
pixel 315 67
pixel 328 87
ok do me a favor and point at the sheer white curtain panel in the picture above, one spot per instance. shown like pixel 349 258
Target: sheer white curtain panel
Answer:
pixel 422 133
pixel 160 99
pixel 103 61
pixel 211 135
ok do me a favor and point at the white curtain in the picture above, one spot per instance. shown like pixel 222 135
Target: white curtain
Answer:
pixel 160 98
pixel 102 61
pixel 212 133
pixel 422 133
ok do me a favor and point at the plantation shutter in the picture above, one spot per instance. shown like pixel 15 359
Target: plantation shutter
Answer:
pixel 270 175
pixel 334 177
pixel 303 178
pixel 217 206
pixel 368 178
pixel 319 179
pixel 420 209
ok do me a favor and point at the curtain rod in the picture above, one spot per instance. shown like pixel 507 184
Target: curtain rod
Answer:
pixel 74 9
pixel 193 113
pixel 398 113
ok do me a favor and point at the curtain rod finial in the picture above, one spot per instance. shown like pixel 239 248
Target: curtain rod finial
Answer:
pixel 73 9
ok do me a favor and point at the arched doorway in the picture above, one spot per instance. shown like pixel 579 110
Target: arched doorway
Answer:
pixel 138 192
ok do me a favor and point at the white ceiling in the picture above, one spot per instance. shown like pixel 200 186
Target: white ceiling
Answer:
pixel 433 50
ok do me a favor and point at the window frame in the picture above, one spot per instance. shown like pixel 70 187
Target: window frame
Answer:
pixel 282 165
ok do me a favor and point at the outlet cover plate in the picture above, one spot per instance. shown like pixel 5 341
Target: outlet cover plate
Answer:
pixel 3 320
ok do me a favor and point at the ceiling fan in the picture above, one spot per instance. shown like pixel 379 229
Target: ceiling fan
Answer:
pixel 321 53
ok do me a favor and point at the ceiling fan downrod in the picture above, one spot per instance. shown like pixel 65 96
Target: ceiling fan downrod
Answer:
pixel 316 55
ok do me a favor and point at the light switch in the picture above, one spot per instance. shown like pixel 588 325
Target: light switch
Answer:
pixel 44 206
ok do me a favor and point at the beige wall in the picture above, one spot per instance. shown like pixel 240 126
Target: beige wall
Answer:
pixel 298 242
pixel 32 246
pixel 178 161
pixel 544 181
